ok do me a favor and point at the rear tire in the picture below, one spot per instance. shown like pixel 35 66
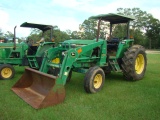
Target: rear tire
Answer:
pixel 134 63
pixel 6 72
pixel 94 80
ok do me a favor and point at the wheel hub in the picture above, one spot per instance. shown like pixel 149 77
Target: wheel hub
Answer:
pixel 97 81
pixel 139 64
pixel 6 72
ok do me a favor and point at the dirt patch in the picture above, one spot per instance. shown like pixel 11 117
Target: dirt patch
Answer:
pixel 153 51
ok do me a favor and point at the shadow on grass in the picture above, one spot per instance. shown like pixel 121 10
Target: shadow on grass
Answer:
pixel 77 81
pixel 19 70
pixel 115 77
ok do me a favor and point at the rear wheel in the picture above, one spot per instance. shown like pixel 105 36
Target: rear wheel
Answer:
pixel 6 71
pixel 134 63
pixel 94 80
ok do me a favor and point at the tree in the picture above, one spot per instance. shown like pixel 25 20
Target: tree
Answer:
pixel 119 30
pixel 88 29
pixel 139 15
pixel 9 34
pixel 35 35
pixel 144 27
pixel 60 36
pixel 153 32
pixel 57 35
pixel 104 29
pixel 75 35
pixel 1 34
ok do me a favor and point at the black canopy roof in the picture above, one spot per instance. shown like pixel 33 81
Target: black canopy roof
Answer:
pixel 39 26
pixel 113 18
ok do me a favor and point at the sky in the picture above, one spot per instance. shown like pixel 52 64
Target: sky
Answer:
pixel 66 14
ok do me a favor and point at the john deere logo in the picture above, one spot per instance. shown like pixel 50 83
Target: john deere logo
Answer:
pixel 72 54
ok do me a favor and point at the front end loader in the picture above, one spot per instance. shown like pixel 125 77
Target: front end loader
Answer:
pixel 45 87
pixel 40 89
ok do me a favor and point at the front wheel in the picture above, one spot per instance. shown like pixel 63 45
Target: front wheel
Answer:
pixel 94 80
pixel 6 72
pixel 134 63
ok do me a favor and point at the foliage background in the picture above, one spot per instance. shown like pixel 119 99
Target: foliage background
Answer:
pixel 145 29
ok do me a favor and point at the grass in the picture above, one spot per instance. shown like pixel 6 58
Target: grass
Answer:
pixel 118 100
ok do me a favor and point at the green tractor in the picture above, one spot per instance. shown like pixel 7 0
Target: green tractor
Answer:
pixel 94 58
pixel 27 53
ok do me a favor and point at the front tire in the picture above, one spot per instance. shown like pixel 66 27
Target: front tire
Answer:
pixel 134 63
pixel 6 72
pixel 94 80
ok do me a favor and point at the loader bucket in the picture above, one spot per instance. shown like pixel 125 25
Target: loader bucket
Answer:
pixel 39 89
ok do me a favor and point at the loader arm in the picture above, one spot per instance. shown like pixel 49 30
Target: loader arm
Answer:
pixel 70 57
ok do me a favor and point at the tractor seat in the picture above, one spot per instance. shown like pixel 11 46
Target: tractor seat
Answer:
pixel 113 44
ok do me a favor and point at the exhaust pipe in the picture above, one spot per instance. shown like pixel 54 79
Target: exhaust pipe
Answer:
pixel 14 39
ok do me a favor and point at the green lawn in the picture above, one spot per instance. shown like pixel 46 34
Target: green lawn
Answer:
pixel 118 100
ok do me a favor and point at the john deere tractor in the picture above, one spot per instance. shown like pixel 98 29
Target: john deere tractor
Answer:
pixel 27 53
pixel 94 58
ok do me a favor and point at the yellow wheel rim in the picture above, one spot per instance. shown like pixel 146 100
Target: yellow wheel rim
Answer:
pixel 97 81
pixel 6 72
pixel 139 64
pixel 56 61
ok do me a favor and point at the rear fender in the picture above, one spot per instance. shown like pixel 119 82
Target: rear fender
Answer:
pixel 123 46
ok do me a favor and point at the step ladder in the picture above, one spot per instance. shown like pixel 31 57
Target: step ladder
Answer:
pixel 114 64
pixel 33 62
